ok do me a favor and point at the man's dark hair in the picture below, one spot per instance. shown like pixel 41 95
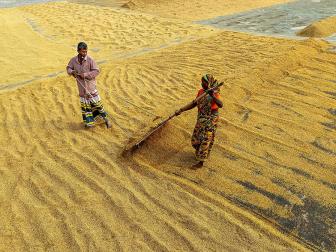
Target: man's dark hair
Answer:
pixel 81 45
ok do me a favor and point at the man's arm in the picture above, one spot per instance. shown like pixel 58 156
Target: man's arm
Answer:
pixel 71 69
pixel 93 73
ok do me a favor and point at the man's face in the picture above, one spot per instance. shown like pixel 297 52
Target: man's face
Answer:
pixel 82 53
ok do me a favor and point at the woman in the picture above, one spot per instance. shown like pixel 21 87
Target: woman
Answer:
pixel 204 133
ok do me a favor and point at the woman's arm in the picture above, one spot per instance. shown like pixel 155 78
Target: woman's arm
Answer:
pixel 186 108
pixel 215 98
pixel 218 102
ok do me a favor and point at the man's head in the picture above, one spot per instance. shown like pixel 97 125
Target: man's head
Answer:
pixel 82 49
pixel 207 81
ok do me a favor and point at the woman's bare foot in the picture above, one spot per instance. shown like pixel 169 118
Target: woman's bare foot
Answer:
pixel 88 126
pixel 107 123
pixel 198 165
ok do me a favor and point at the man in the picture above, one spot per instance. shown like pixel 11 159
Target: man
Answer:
pixel 85 70
pixel 204 132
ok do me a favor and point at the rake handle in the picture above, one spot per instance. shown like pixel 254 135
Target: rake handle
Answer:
pixel 184 107
pixel 196 100
pixel 173 115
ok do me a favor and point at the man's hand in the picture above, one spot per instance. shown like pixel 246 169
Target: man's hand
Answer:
pixel 74 74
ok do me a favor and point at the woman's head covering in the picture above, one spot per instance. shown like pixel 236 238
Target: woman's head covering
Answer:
pixel 208 81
